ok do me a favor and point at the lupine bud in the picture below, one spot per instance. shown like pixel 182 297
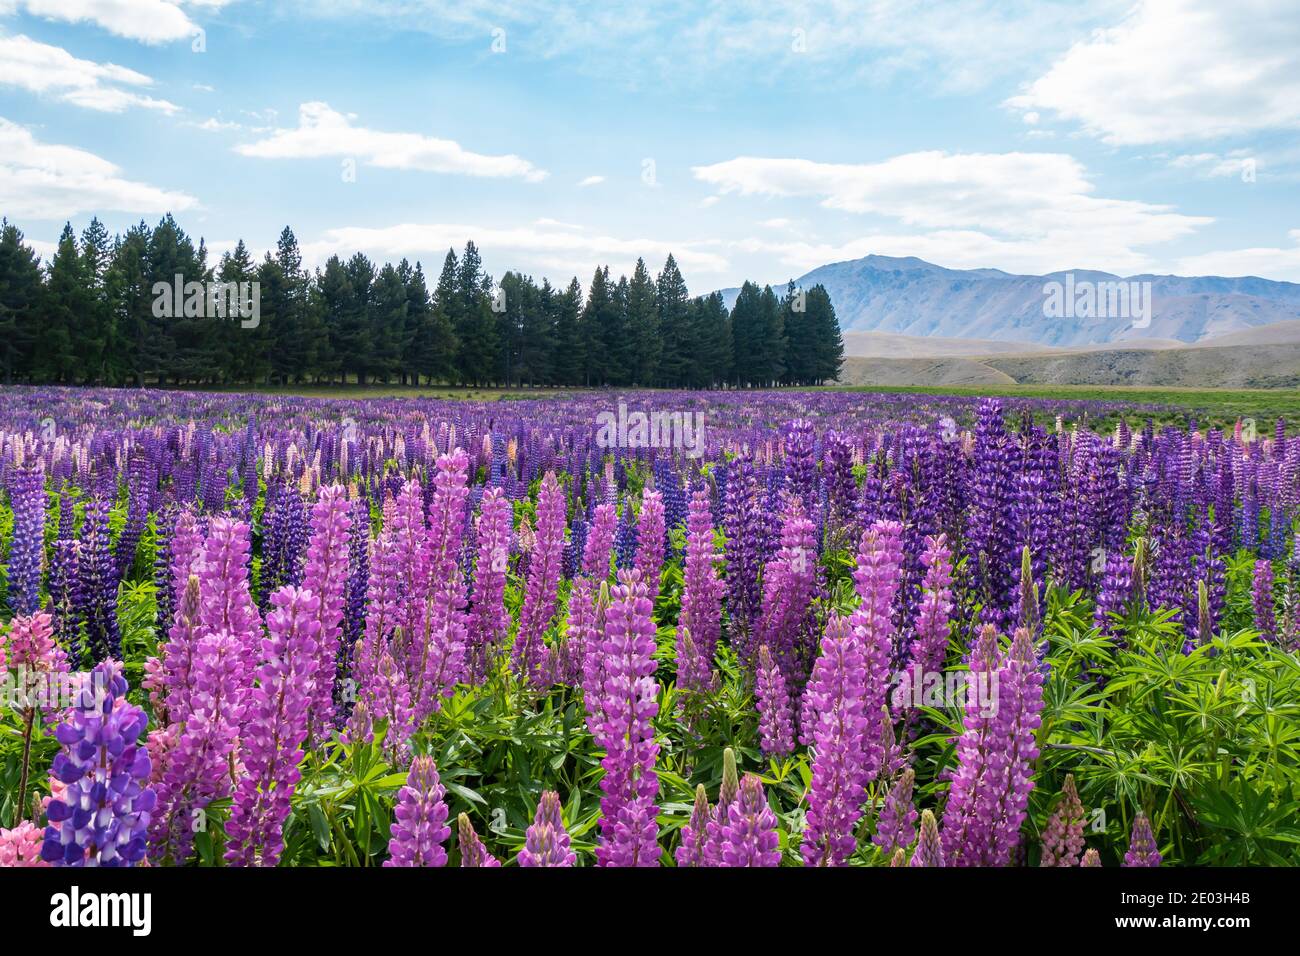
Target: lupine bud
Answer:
pixel 1142 849
pixel 1063 835
pixel 749 836
pixel 929 849
pixel 420 817
pixel 472 851
pixel 547 841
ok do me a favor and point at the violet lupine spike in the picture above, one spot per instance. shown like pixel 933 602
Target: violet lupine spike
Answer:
pixel 1142 848
pixel 27 546
pixel 541 590
pixel 836 726
pixel 547 842
pixel 711 854
pixel 650 540
pixel 472 851
pixel 103 812
pixel 695 835
pixel 489 621
pixel 275 727
pixel 749 836
pixel 225 602
pixel 326 577
pixel 420 819
pixel 701 610
pixel 929 848
pixel 629 831
pixel 178 654
pixel 1019 717
pixel 599 544
pixel 877 577
pixel 358 579
pixel 788 589
pixel 896 828
pixel 966 829
pixel 63 592
pixel 444 626
pixel 409 537
pixel 1262 603
pixel 1114 595
pixel 581 633
pixel 96 601
pixel 775 721
pixel 1063 836
pixel 930 644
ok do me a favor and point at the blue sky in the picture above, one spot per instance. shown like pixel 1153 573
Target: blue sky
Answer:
pixel 751 139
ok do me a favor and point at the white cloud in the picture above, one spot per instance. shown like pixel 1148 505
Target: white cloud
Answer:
pixel 45 69
pixel 591 181
pixel 214 125
pixel 558 251
pixel 1267 263
pixel 149 21
pixel 39 181
pixel 1176 70
pixel 322 131
pixel 1032 206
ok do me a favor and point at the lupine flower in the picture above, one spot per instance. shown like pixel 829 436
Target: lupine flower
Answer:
pixel 1063 835
pixel 788 582
pixel 547 842
pixel 896 827
pixel 1142 849
pixel 929 848
pixel 21 846
pixel 1262 601
pixel 540 595
pixel 1115 593
pixel 749 836
pixel 489 621
pixel 97 582
pixel 472 851
pixel 274 730
pixel 629 832
pixel 326 577
pixel 101 817
pixel 444 627
pixel 694 836
pixel 775 723
pixel 715 829
pixel 930 644
pixel 27 548
pixel 650 540
pixel 700 620
pixel 599 541
pixel 420 818
pixel 1091 858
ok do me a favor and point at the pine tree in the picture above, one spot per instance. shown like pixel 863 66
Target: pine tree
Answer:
pixel 67 298
pixel 570 363
pixel 673 302
pixel 20 302
pixel 643 326
pixel 824 329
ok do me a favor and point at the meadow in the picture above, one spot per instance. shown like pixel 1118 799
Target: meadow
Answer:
pixel 844 628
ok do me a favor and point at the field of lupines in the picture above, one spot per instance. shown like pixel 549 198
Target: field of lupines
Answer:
pixel 825 629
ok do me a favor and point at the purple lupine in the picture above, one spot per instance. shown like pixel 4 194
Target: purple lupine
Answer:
pixel 97 582
pixel 420 819
pixel 541 590
pixel 178 654
pixel 472 851
pixel 714 829
pixel 1063 836
pixel 274 729
pixel 326 576
pixel 225 602
pixel 929 648
pixel 599 542
pixel 489 621
pixel 27 547
pixel 695 834
pixel 775 722
pixel 354 605
pixel 63 591
pixel 966 830
pixel 1115 593
pixel 441 647
pixel 1090 858
pixel 629 832
pixel 700 619
pixel 547 842
pixel 102 815
pixel 749 836
pixel 788 584
pixel 650 540
pixel 896 828
pixel 1261 601
pixel 581 632
pixel 1142 848
pixel 929 848
pixel 743 524
pixel 835 725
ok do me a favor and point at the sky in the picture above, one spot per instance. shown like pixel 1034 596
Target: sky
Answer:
pixel 750 139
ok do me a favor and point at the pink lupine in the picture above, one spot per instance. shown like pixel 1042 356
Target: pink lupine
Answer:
pixel 489 621
pixel 20 846
pixel 775 724
pixel 541 591
pixel 326 577
pixel 749 833
pixel 650 540
pixel 695 835
pixel 420 818
pixel 225 602
pixel 699 624
pixel 472 851
pixel 896 827
pixel 1063 836
pixel 600 540
pixel 929 847
pixel 547 841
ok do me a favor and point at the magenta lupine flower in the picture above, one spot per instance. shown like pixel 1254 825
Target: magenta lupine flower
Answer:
pixel 27 547
pixel 1261 599
pixel 929 848
pixel 547 842
pixel 489 621
pixel 650 540
pixel 775 721
pixel 1020 711
pixel 967 830
pixel 629 832
pixel 929 648
pixel 715 829
pixel 695 835
pixel 541 591
pixel 836 726
pixel 420 819
pixel 21 845
pixel 600 540
pixel 1063 835
pixel 701 612
pixel 225 602
pixel 749 836
pixel 179 652
pixel 1142 849
pixel 580 633
pixel 445 623
pixel 326 577
pixel 788 584
pixel 275 727
pixel 102 814
pixel 896 828
pixel 472 851
pixel 382 612
pixel 32 647
pixel 186 544
pixel 410 538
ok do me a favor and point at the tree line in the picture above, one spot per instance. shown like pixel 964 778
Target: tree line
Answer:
pixel 89 316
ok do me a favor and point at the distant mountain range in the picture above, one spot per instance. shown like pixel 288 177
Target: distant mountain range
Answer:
pixel 914 298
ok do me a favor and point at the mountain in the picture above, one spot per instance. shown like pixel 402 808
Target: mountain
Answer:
pixel 912 297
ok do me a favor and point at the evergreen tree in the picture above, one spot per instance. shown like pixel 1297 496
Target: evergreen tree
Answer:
pixel 673 303
pixel 570 365
pixel 20 303
pixel 824 329
pixel 475 322
pixel 67 299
